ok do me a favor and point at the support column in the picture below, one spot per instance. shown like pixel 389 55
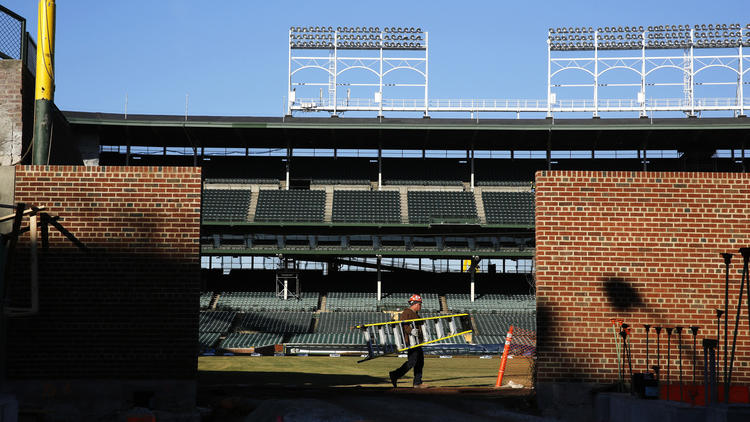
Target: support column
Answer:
pixel 596 75
pixel 549 150
pixel 45 82
pixel 472 169
pixel 380 167
pixel 473 270
pixel 380 285
pixel 741 84
pixel 288 161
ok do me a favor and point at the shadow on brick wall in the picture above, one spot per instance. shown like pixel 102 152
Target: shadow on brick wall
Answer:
pixel 621 295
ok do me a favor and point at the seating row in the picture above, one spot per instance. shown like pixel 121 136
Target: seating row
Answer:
pixel 489 302
pixel 276 322
pixel 291 205
pixel 243 181
pixel 435 206
pixel 498 324
pixel 215 322
pixel 248 340
pixel 267 301
pixel 367 301
pixel 367 206
pixel 509 207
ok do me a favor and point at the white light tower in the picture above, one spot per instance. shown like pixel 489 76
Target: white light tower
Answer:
pixel 372 49
pixel 645 51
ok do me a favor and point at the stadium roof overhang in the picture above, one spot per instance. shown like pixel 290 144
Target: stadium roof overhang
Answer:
pixel 393 133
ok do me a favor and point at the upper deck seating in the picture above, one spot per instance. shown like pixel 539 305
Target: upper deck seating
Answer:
pixel 290 206
pixel 241 181
pixel 431 182
pixel 339 182
pixel 226 204
pixel 366 207
pixel 441 206
pixel 509 207
pixel 505 183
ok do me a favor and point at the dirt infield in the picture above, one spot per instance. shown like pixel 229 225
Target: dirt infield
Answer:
pixel 322 388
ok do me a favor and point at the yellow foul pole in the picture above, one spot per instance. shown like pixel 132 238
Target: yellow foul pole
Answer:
pixel 45 81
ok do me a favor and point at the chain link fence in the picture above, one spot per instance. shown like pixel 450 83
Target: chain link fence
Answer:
pixel 15 42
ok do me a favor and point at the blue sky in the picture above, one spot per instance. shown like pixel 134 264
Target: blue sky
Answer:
pixel 231 56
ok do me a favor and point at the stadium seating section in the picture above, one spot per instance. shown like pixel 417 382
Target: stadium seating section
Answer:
pixel 506 183
pixel 489 303
pixel 509 207
pixel 248 340
pixel 339 182
pixel 441 206
pixel 215 322
pixel 350 206
pixel 226 204
pixel 399 182
pixel 238 323
pixel 205 300
pixel 342 322
pixel 266 301
pixel 346 339
pixel 356 301
pixel 290 206
pixel 235 181
pixel 276 322
pixel 207 340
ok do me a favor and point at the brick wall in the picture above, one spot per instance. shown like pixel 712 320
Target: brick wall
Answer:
pixel 11 108
pixel 639 246
pixel 127 310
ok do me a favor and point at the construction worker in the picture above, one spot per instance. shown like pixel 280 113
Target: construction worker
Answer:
pixel 415 356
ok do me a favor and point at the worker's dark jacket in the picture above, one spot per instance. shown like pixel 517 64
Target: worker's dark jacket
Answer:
pixel 407 314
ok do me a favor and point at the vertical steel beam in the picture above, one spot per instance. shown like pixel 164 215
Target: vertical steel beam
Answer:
pixel 380 75
pixel 45 82
pixel 741 83
pixel 643 73
pixel 692 74
pixel 335 70
pixel 549 78
pixel 426 74
pixel 596 74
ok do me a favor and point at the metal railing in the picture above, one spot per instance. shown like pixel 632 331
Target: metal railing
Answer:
pixel 15 42
pixel 523 105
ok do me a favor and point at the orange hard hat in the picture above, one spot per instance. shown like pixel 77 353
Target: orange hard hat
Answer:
pixel 415 298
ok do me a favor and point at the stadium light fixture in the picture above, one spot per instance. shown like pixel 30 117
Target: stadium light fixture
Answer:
pixel 356 37
pixel 718 35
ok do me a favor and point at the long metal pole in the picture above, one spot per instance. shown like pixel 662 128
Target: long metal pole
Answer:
pixel 727 260
pixel 426 73
pixel 45 82
pixel 380 77
pixel 289 85
pixel 596 74
pixel 335 69
pixel 741 84
pixel 692 76
pixel 549 75
pixel 643 73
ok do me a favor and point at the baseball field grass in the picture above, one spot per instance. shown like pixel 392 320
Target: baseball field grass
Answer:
pixel 344 371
